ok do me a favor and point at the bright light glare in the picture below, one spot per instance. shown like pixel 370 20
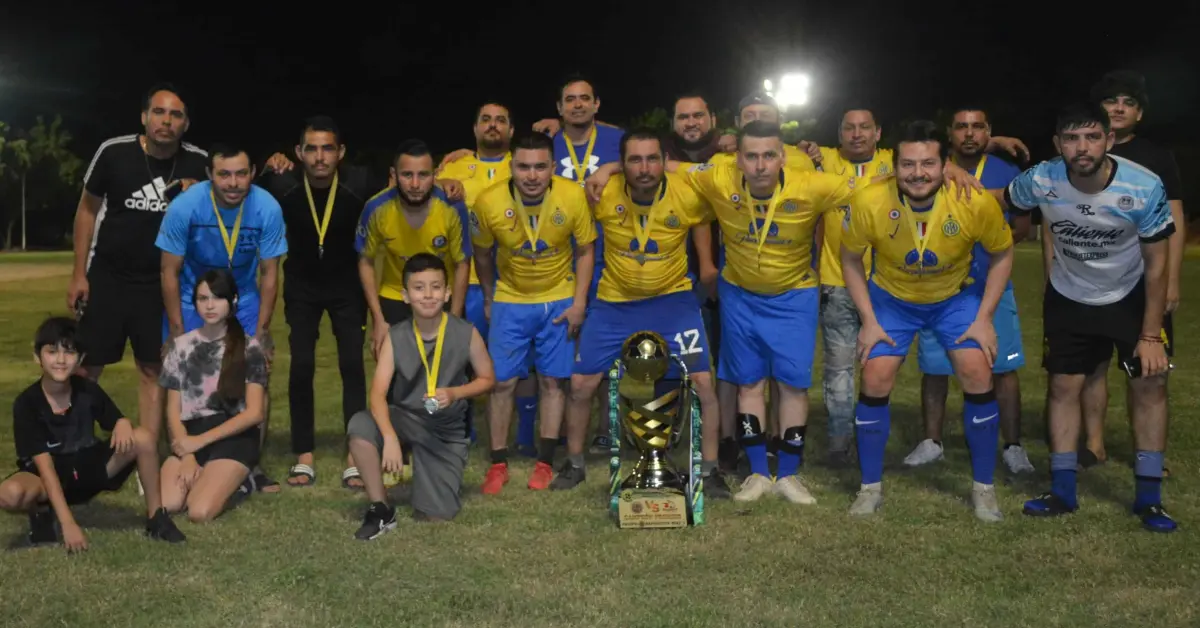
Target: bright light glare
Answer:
pixel 793 90
pixel 767 86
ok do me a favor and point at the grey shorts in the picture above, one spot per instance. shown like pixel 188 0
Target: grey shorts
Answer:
pixel 439 456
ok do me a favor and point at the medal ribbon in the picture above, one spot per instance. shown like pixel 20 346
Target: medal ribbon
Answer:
pixel 978 168
pixel 581 170
pixel 921 240
pixel 322 225
pixel 772 205
pixel 229 239
pixel 531 231
pixel 641 231
pixel 431 374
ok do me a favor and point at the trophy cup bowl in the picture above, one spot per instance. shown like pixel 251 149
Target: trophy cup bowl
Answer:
pixel 652 423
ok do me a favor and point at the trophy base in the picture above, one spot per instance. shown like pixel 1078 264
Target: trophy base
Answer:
pixel 649 508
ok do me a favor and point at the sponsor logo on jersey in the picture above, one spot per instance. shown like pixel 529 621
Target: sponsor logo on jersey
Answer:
pixel 150 198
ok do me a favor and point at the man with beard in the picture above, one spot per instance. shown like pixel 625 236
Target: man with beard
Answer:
pixel 922 237
pixel 536 229
pixel 1123 95
pixel 1109 221
pixel 768 291
pixel 115 284
pixel 321 203
pixel 490 163
pixel 399 222
pixel 226 222
pixel 969 133
pixel 647 216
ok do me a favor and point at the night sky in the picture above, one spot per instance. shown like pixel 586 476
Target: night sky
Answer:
pixel 391 71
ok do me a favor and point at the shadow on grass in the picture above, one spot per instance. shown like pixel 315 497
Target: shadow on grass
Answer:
pixel 95 515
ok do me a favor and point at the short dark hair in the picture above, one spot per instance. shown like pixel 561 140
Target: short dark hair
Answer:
pixel 533 141
pixel 493 103
pixel 1120 82
pixel 226 150
pixel 421 262
pixel 321 124
pixel 57 331
pixel 968 107
pixel 640 134
pixel 411 148
pixel 690 94
pixel 759 128
pixel 858 106
pixel 921 131
pixel 1080 115
pixel 162 87
pixel 576 78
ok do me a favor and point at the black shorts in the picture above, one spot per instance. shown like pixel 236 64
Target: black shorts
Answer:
pixel 1078 337
pixel 116 311
pixel 84 474
pixel 242 447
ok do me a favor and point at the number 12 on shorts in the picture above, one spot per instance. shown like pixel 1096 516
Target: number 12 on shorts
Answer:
pixel 687 342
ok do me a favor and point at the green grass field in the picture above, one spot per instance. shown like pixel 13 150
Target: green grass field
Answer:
pixel 525 559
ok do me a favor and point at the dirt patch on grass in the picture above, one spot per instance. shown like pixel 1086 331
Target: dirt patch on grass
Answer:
pixel 23 272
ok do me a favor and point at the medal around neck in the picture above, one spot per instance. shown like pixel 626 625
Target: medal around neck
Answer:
pixel 655 494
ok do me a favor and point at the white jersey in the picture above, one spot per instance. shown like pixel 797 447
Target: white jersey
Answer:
pixel 1097 257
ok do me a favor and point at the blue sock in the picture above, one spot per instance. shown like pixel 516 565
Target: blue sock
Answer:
pixel 872 424
pixel 754 443
pixel 981 424
pixel 526 420
pixel 1062 476
pixel 791 452
pixel 1147 477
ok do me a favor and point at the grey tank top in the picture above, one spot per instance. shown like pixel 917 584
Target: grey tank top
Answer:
pixel 408 385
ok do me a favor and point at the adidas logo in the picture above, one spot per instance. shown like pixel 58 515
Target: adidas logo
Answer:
pixel 148 198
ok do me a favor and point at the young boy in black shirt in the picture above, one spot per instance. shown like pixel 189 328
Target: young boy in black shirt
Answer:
pixel 60 460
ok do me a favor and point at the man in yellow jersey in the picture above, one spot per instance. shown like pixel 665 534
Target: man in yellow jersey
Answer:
pixel 646 216
pixel 922 237
pixel 539 227
pixel 969 131
pixel 399 222
pixel 768 292
pixel 476 171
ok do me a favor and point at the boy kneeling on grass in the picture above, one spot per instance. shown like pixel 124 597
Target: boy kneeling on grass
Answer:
pixel 420 393
pixel 61 462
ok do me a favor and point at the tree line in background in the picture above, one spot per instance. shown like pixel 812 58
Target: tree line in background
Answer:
pixel 39 185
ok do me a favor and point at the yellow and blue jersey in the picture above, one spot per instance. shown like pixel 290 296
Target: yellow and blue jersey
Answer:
pixel 383 230
pixel 832 162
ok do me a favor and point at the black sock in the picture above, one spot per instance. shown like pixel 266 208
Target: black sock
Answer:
pixel 500 456
pixel 546 448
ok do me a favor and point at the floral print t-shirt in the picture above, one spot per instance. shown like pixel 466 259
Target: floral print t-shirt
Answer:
pixel 193 367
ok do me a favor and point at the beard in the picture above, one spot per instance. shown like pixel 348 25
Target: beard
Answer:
pixel 417 202
pixel 908 187
pixel 492 144
pixel 688 145
pixel 1086 169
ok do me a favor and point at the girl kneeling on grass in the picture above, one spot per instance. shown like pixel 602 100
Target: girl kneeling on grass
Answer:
pixel 215 378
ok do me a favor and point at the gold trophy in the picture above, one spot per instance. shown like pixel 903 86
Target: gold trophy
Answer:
pixel 655 494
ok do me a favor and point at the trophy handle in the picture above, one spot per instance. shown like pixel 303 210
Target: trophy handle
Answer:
pixel 689 402
pixel 614 437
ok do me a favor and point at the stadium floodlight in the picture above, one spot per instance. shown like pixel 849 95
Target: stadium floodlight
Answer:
pixel 792 90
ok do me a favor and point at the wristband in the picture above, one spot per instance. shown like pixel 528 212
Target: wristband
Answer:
pixel 1157 339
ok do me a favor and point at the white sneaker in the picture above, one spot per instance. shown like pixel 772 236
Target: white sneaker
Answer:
pixel 794 490
pixel 987 509
pixel 753 487
pixel 1017 460
pixel 869 500
pixel 926 452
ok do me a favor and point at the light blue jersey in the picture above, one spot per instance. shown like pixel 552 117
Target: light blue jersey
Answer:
pixel 190 230
pixel 1097 258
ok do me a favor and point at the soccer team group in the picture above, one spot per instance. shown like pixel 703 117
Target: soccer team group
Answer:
pixel 516 271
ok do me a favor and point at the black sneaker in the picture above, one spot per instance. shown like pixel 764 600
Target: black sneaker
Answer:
pixel 715 486
pixel 161 528
pixel 569 476
pixel 1048 505
pixel 42 528
pixel 379 519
